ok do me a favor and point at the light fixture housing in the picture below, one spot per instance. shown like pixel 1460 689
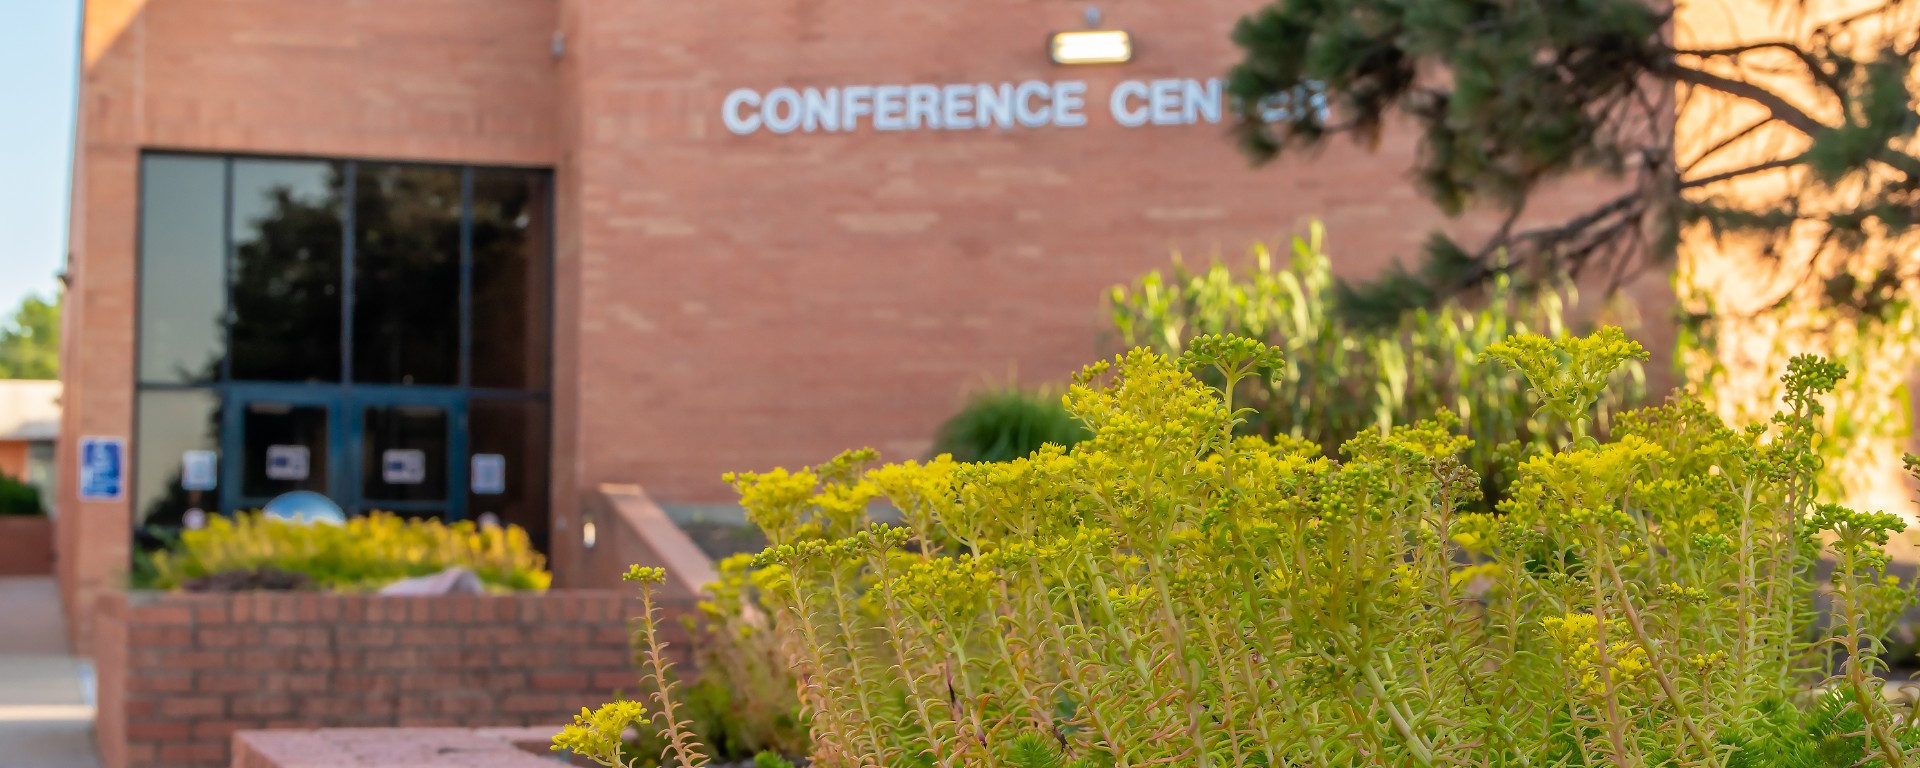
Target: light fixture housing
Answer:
pixel 1101 46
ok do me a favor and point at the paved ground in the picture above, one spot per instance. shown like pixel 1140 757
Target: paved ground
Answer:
pixel 46 707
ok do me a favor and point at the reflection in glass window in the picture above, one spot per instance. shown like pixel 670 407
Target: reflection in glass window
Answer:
pixel 170 423
pixel 286 271
pixel 510 236
pixel 406 274
pixel 515 430
pixel 182 268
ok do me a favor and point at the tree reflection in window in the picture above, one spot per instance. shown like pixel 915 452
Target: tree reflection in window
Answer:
pixel 406 274
pixel 286 287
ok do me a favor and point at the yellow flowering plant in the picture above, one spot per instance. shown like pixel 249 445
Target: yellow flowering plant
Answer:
pixel 1172 592
pixel 363 554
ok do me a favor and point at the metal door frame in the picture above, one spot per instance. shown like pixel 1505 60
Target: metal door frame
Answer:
pixel 346 434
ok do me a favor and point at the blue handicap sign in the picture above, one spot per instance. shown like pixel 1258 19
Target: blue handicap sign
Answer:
pixel 103 468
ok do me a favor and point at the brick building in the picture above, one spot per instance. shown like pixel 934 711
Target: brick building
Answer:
pixel 459 257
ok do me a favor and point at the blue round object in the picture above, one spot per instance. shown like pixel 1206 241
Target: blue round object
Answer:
pixel 305 507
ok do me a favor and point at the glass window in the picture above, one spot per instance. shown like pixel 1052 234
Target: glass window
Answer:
pixel 510 293
pixel 515 431
pixel 403 454
pixel 406 274
pixel 286 273
pixel 182 268
pixel 171 423
pixel 249 268
pixel 283 449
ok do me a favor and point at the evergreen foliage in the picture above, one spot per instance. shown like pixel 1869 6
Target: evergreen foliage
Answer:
pixel 1510 97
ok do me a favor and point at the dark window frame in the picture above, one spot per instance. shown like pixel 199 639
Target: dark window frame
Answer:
pixel 226 386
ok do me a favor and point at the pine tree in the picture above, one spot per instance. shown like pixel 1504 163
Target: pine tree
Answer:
pixel 1509 95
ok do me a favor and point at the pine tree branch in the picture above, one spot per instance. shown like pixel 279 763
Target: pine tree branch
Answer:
pixel 1726 142
pixel 1782 162
pixel 1776 105
pixel 1806 58
pixel 1546 237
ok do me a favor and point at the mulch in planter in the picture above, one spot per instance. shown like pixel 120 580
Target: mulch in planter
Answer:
pixel 261 580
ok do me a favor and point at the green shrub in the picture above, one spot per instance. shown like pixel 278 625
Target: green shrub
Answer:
pixel 1006 424
pixel 1341 376
pixel 1170 592
pixel 364 554
pixel 18 499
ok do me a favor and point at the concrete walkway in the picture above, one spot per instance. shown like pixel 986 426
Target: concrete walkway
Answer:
pixel 46 706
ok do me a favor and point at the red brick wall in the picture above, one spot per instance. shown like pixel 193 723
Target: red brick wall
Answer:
pixel 179 674
pixel 26 546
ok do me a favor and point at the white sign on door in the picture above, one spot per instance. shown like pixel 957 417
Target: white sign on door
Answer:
pixel 198 470
pixel 403 466
pixel 489 473
pixel 287 462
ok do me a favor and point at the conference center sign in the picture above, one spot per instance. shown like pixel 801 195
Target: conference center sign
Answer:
pixel 983 106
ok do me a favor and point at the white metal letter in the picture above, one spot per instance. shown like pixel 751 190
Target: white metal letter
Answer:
pixel 1166 102
pixel 822 110
pixel 889 108
pixel 1032 116
pixel 994 104
pixel 923 106
pixel 1123 113
pixel 741 123
pixel 1067 102
pixel 955 103
pixel 772 114
pixel 855 101
pixel 1202 101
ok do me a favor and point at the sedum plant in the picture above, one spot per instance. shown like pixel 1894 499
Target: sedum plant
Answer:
pixel 1341 374
pixel 1172 592
pixel 363 554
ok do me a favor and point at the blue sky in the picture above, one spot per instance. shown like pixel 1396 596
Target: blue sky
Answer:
pixel 38 49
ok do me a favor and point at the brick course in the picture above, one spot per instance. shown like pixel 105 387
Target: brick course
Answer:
pixel 169 698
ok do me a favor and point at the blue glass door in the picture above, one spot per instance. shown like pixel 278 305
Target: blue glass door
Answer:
pixel 278 439
pixel 406 447
pixel 391 449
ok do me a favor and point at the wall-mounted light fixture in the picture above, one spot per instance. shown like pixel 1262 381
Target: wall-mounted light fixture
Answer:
pixel 1093 45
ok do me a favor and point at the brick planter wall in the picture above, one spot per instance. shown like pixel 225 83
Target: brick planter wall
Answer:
pixel 26 546
pixel 179 674
pixel 398 748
